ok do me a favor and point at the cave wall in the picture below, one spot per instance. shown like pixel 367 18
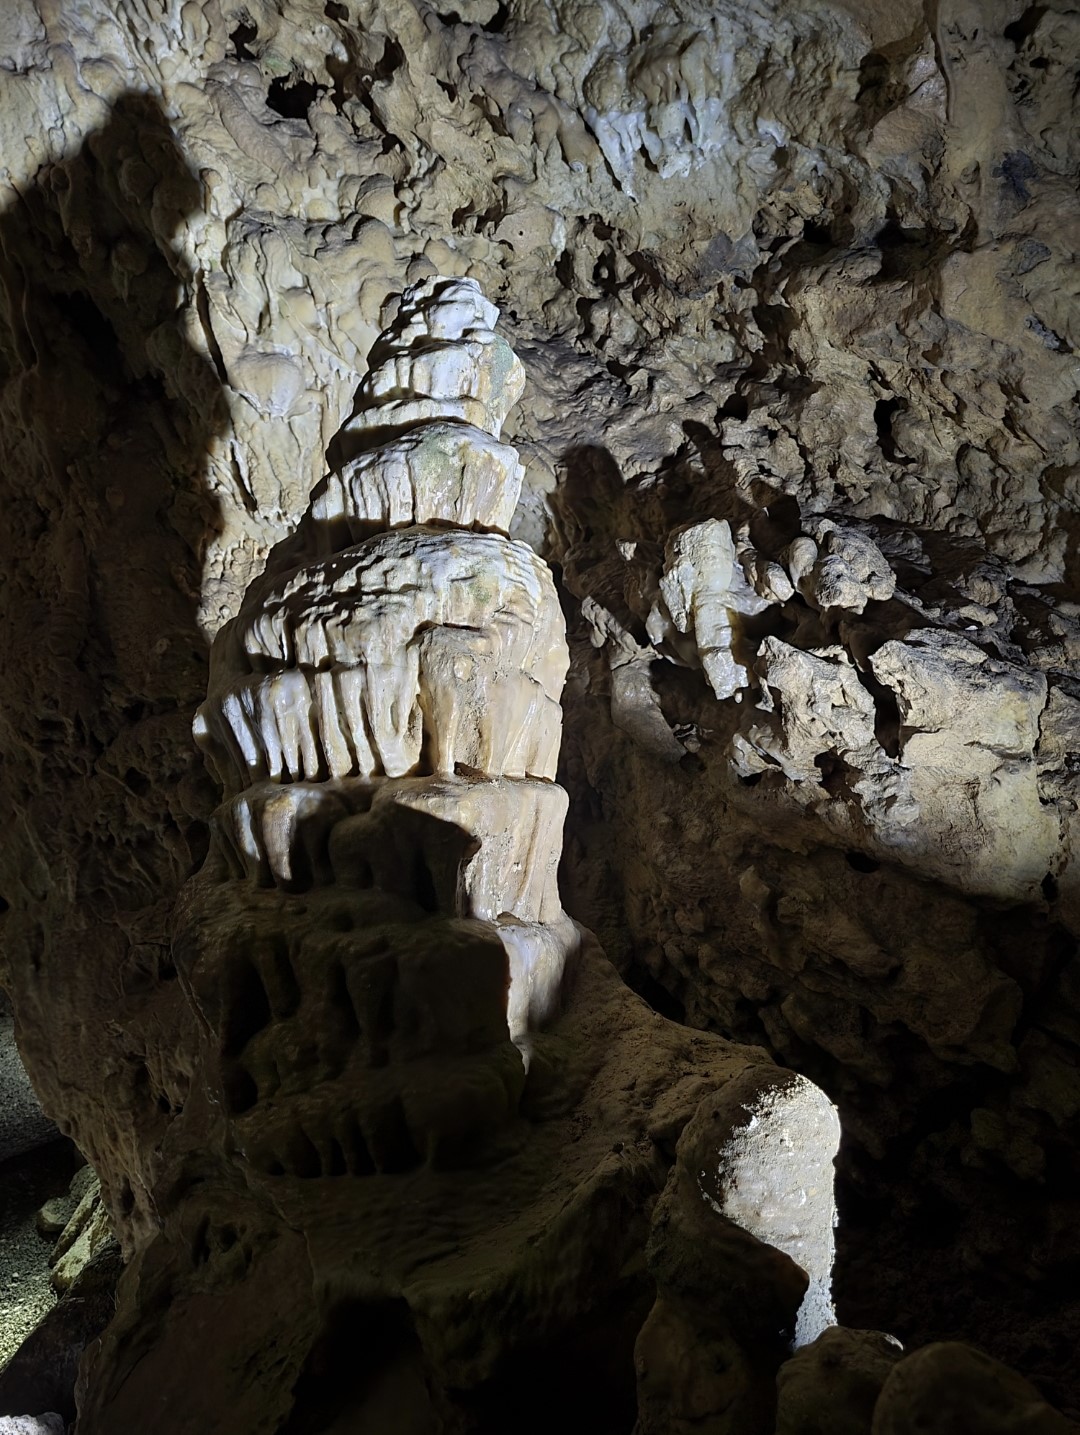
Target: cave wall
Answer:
pixel 762 265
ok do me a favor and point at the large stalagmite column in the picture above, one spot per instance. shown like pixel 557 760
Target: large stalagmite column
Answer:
pixel 418 661
pixel 372 947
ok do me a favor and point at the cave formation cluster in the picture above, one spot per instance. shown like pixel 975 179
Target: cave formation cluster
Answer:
pixel 541 642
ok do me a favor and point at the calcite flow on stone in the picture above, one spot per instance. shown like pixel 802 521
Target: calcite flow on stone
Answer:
pixel 421 667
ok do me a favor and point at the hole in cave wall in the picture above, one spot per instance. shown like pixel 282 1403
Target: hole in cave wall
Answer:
pixel 423 890
pixel 241 37
pixel 498 22
pixel 292 98
pixel 137 782
pixel 1021 29
pixel 836 774
pixel 287 995
pixel 495 26
pixel 884 412
pixel 640 980
pixel 390 1140
pixel 589 1370
pixel 353 78
pixel 97 333
pixel 391 60
pixel 302 1156
pixel 860 862
pixel 197 838
pixel 336 1164
pixel 887 723
pixel 241 1091
pixel 342 1028
pixel 247 1006
pixel 736 406
pixel 363 1372
pixel 358 1160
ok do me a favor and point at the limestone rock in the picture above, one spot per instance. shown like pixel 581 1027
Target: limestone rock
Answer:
pixel 951 1387
pixel 57 1212
pixel 440 360
pixel 440 472
pixel 821 708
pixel 969 726
pixel 54 1215
pixel 767 1165
pixel 435 626
pixel 342 685
pixel 915 747
pixel 842 569
pixel 41 1375
pixel 87 1230
pixel 729 1304
pixel 831 1386
pixel 392 1006
pixel 704 595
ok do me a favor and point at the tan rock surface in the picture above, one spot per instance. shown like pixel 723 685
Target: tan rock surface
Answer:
pixel 950 1387
pixel 831 1387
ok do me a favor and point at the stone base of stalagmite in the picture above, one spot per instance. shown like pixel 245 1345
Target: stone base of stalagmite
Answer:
pixel 279 1303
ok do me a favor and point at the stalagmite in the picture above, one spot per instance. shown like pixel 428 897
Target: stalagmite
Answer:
pixel 418 1085
pixel 422 666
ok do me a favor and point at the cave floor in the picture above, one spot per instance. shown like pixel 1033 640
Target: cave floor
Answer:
pixel 26 1183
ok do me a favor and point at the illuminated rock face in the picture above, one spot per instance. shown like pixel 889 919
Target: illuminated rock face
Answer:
pixel 421 668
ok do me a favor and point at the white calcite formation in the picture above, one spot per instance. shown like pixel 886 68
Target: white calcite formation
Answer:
pixel 773 1176
pixel 422 666
pixel 349 667
pixel 703 595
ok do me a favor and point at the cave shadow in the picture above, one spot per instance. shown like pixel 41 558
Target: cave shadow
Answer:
pixel 107 498
pixel 110 414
